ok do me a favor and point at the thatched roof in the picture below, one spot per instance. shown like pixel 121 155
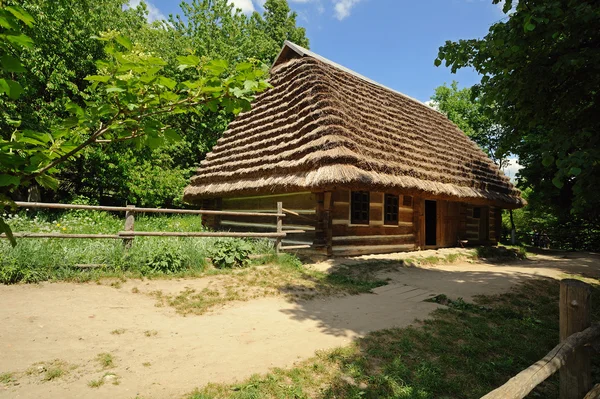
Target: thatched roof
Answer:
pixel 323 126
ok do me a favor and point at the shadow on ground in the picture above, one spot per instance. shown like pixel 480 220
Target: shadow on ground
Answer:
pixel 402 300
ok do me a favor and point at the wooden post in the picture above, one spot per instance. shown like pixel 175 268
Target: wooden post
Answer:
pixel 129 221
pixel 575 309
pixel 279 228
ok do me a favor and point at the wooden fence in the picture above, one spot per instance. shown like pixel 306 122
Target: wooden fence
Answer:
pixel 128 234
pixel 571 357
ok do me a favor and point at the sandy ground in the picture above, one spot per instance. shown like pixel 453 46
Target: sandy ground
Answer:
pixel 161 354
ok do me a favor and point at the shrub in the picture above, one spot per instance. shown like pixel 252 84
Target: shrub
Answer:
pixel 166 260
pixel 230 253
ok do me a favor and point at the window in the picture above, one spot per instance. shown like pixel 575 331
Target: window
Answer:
pixel 390 204
pixel 476 213
pixel 360 207
pixel 407 200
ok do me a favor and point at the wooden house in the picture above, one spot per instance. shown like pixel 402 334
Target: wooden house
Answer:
pixel 364 169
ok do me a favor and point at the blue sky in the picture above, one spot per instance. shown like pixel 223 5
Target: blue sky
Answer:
pixel 393 42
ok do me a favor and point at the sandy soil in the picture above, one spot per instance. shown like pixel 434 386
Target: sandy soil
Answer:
pixel 161 354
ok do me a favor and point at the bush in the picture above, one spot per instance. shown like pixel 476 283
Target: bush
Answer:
pixel 231 253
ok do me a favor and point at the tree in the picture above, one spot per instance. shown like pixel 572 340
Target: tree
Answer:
pixel 207 28
pixel 472 117
pixel 541 66
pixel 131 98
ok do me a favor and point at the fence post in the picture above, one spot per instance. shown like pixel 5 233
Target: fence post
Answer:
pixel 575 312
pixel 279 228
pixel 129 221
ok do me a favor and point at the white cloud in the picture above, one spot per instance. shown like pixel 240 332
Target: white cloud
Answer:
pixel 512 168
pixel 343 7
pixel 245 5
pixel 154 14
pixel 432 104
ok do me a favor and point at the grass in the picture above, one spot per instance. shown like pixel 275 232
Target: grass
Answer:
pixel 106 360
pixel 102 380
pixel 34 260
pixel 118 331
pixel 464 351
pixel 6 378
pixel 287 277
pixel 150 333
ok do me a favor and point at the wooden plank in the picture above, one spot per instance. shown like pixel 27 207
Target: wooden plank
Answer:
pixel 341 195
pixel 290 247
pixel 141 210
pixel 61 235
pixel 575 308
pixel 197 234
pixel 341 230
pixel 304 200
pixel 375 240
pixel 352 250
pixel 289 219
pixel 268 226
pixel 341 212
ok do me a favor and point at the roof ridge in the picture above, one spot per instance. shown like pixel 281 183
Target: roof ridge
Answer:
pixel 306 52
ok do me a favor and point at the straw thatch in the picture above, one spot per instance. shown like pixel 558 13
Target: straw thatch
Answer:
pixel 322 126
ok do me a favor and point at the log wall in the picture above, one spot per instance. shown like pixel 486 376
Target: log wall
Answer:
pixel 376 237
pixel 475 229
pixel 304 204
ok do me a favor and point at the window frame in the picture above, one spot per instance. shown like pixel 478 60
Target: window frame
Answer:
pixel 365 204
pixel 389 209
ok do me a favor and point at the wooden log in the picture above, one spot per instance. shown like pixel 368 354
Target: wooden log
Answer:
pixel 129 222
pixel 143 210
pixel 289 247
pixel 61 235
pixel 594 393
pixel 575 316
pixel 198 234
pixel 520 385
pixel 279 228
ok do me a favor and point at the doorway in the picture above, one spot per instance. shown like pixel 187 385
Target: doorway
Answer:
pixel 430 223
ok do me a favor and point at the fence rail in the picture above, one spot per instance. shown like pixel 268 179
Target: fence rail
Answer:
pixel 570 357
pixel 129 234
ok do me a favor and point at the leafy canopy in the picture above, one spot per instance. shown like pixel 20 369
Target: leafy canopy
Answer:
pixel 541 67
pixel 130 97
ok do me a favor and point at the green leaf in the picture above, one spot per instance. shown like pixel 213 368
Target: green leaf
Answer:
pixel 216 67
pixel 124 41
pixel 547 160
pixel 575 171
pixel 11 64
pixel 20 40
pixel 8 180
pixel 97 78
pixel 172 135
pixel 47 181
pixel 21 14
pixel 5 228
pixel 529 27
pixel 168 83
pixel 437 62
pixel 14 89
pixel 558 182
pixel 188 61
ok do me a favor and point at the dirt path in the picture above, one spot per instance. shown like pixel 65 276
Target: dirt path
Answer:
pixel 160 354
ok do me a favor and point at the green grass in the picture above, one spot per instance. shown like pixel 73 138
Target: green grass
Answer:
pixel 34 260
pixel 6 378
pixel 283 275
pixel 106 360
pixel 464 351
